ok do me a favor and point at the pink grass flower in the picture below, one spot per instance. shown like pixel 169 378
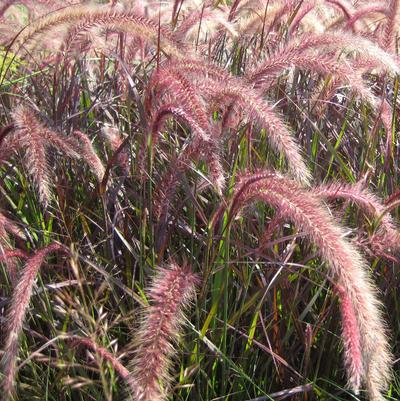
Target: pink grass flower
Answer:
pixel 171 291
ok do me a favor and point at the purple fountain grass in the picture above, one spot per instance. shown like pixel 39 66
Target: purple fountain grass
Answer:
pixel 114 139
pixel 265 75
pixel 47 22
pixel 82 18
pixel 103 352
pixel 392 24
pixel 171 291
pixel 305 8
pixel 259 19
pixel 16 314
pixel 170 180
pixel 198 19
pixel 257 109
pixel 353 359
pixel 171 81
pixel 298 53
pixel 223 87
pixel 368 203
pixel 30 131
pixel 305 210
pixel 7 256
pixel 136 49
pixel 200 69
pixel 37 7
pixel 201 87
pixel 366 48
pixel 302 53
pixel 9 227
pixel 88 153
pixel 170 93
pixel 360 13
pixel 207 147
pixel 127 22
pixel 179 112
pixel 178 98
pixel 8 148
pixel 34 138
pixel 14 253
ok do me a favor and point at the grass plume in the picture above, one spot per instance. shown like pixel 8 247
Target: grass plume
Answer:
pixel 346 265
pixel 16 315
pixel 171 291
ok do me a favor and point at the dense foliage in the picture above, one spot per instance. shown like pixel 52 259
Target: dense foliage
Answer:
pixel 199 200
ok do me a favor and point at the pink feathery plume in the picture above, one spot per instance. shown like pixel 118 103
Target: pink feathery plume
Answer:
pixel 7 253
pixel 104 353
pixel 353 360
pixel 129 22
pixel 8 257
pixel 172 290
pixel 362 12
pixel 346 264
pixel 256 108
pixel 220 86
pixel 113 137
pixel 369 203
pixel 35 138
pixel 89 154
pixel 13 253
pixel 31 136
pixel 305 8
pixel 314 52
pixel 393 16
pixel 16 314
pixel 171 81
pixel 179 98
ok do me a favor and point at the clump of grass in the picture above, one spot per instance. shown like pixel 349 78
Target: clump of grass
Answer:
pixel 222 135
